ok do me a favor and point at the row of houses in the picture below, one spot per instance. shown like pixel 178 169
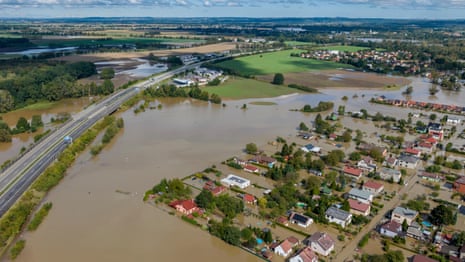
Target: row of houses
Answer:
pixel 424 105
pixel 318 243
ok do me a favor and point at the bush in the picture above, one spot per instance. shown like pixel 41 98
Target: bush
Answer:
pixel 17 248
pixel 39 216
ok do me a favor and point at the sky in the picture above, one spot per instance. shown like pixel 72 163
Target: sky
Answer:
pixel 421 9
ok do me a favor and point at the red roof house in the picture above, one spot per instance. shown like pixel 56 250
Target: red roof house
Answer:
pixel 185 207
pixel 353 172
pixel 373 187
pixel 359 208
pixel 459 185
pixel 212 187
pixel 413 152
pixel 251 169
pixel 249 199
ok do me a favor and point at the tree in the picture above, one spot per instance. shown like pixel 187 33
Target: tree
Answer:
pixel 246 234
pixel 303 126
pixel 36 122
pixel 107 87
pixel 458 239
pixel 409 90
pixel 278 79
pixel 107 73
pixel 442 215
pixel 404 225
pixel 251 148
pixel 433 90
pixel 355 156
pixel 216 99
pixel 432 117
pixel 347 136
pixel 22 125
pixel 345 205
pixel 205 200
pixel 6 101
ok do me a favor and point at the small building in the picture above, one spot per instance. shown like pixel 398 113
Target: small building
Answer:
pixel 306 254
pixel 367 164
pixel 435 130
pixel 311 149
pixel 249 199
pixel 431 177
pixel 186 207
pixel 453 121
pixel 425 148
pixel 459 185
pixel 251 169
pixel 412 152
pixel 390 162
pixel 299 219
pixel 361 195
pixel 263 160
pixel 338 216
pixel 399 214
pixel 414 231
pixel 408 161
pixel 390 229
pixel 359 208
pixel 213 188
pixel 320 243
pixel 390 174
pixel 353 173
pixel 283 221
pixel 284 248
pixel 462 252
pixel 373 187
pixel 233 180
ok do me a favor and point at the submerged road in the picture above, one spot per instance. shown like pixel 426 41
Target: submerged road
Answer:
pixel 24 171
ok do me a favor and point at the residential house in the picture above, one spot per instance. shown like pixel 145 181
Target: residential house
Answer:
pixel 414 231
pixel 321 243
pixel 435 130
pixel 249 199
pixel 338 216
pixel 399 214
pixel 239 161
pixel 459 185
pixel 283 248
pixel 306 254
pixel 408 161
pixel 263 160
pixel 367 164
pixel 390 162
pixel 186 207
pixel 431 177
pixel 233 180
pixel 390 174
pixel 425 148
pixel 360 195
pixel 251 169
pixel 462 252
pixel 213 188
pixel 359 208
pixel 390 229
pixel 373 187
pixel 453 121
pixel 421 258
pixel 353 172
pixel 283 221
pixel 299 219
pixel 311 148
pixel 412 152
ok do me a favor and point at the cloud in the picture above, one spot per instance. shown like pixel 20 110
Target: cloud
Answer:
pixel 398 4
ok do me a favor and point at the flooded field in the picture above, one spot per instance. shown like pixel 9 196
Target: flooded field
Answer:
pixel 91 221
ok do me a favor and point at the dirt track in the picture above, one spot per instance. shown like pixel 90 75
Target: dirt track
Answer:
pixel 127 55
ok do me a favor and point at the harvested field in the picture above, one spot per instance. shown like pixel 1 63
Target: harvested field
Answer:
pixel 339 78
pixel 127 55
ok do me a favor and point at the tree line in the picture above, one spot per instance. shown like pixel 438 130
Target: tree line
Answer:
pixel 173 91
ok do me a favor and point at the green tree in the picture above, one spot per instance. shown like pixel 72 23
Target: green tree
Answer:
pixel 107 73
pixel 6 101
pixel 345 205
pixel 303 126
pixel 347 136
pixel 251 148
pixel 442 215
pixel 22 125
pixel 36 122
pixel 404 225
pixel 278 79
pixel 409 90
pixel 107 87
pixel 355 156
pixel 205 200
pixel 458 238
pixel 432 117
pixel 216 99
pixel 246 234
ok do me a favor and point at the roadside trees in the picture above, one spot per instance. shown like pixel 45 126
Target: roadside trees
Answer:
pixel 278 79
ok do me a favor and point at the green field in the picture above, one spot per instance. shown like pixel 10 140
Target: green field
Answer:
pixel 298 43
pixel 42 105
pixel 242 88
pixel 344 48
pixel 277 62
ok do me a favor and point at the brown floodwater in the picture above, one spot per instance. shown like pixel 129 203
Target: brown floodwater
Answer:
pixel 12 149
pixel 90 221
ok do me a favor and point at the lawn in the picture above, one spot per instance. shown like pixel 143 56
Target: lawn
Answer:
pixel 42 105
pixel 277 62
pixel 344 48
pixel 298 43
pixel 242 88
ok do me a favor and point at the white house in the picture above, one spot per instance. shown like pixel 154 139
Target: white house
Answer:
pixel 338 216
pixel 360 195
pixel 399 214
pixel 390 229
pixel 233 180
pixel 408 161
pixel 306 254
pixel 299 219
pixel 311 148
pixel 367 164
pixel 453 121
pixel 283 249
pixel 320 243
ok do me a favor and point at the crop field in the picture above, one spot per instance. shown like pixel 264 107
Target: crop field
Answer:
pixel 111 41
pixel 242 88
pixel 277 62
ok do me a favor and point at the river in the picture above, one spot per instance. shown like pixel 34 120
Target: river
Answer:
pixel 90 221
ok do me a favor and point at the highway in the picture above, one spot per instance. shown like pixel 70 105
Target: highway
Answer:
pixel 15 179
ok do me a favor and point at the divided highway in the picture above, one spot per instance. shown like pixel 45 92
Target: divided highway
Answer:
pixel 21 174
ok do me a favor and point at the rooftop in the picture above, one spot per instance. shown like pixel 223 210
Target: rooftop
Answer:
pixel 363 194
pixel 392 226
pixel 299 218
pixel 337 213
pixel 373 184
pixel 405 212
pixel 323 239
pixel 359 206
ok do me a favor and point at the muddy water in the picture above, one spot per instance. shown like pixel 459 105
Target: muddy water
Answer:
pixel 90 221
pixel 11 150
